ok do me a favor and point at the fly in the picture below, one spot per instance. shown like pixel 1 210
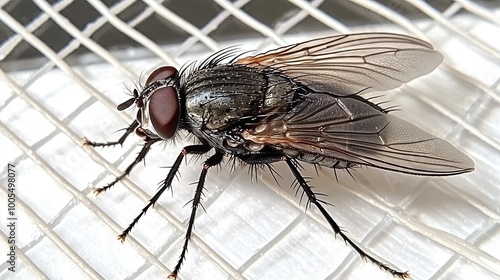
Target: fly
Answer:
pixel 298 103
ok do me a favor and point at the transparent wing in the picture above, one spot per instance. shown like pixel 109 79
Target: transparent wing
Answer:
pixel 352 130
pixel 352 64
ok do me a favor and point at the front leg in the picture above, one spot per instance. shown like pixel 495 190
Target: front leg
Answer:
pixel 140 157
pixel 166 184
pixel 131 128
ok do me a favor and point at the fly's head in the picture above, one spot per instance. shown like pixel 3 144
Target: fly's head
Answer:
pixel 158 108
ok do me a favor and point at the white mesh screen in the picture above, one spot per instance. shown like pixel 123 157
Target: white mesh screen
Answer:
pixel 65 65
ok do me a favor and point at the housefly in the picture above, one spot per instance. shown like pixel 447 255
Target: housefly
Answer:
pixel 299 103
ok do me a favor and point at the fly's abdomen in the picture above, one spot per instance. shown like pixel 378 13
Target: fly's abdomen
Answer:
pixel 314 158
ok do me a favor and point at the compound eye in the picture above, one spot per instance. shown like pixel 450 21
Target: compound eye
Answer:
pixel 164 111
pixel 161 73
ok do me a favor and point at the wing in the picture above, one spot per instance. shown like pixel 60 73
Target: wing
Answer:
pixel 351 64
pixel 352 130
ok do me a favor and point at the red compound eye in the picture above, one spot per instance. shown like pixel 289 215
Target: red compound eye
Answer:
pixel 163 72
pixel 164 111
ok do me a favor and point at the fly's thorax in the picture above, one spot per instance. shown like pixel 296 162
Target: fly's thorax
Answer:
pixel 217 98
